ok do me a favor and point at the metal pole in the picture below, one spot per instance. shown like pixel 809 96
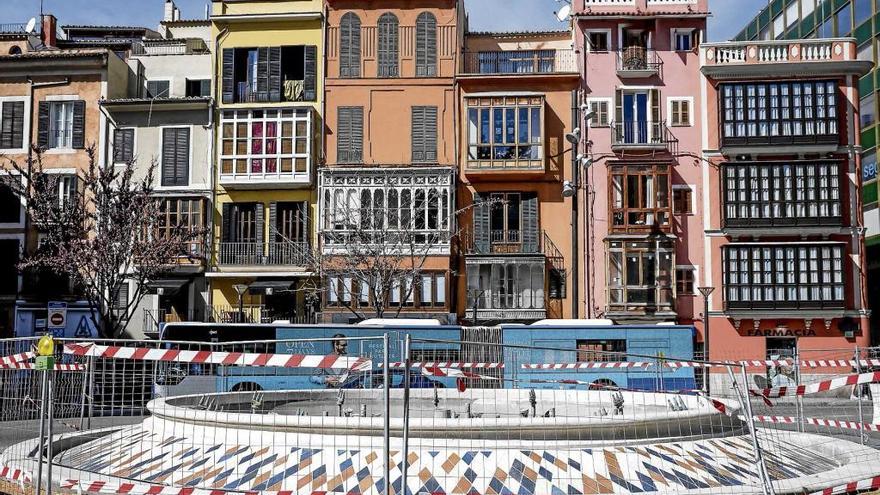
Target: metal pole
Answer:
pixel 51 415
pixel 84 407
pixel 91 391
pixel 745 401
pixel 575 201
pixel 707 370
pixel 43 386
pixel 858 355
pixel 406 377
pixel 386 449
pixel 799 400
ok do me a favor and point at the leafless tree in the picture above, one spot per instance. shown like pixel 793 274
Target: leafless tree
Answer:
pixel 102 235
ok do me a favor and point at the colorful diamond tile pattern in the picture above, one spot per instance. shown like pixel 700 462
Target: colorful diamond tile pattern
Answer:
pixel 139 454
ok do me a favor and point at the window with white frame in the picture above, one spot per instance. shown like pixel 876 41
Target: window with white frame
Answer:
pixel 273 143
pixel 680 111
pixel 61 124
pixel 683 40
pixel 501 130
pixel 423 290
pixel 599 41
pixel 601 110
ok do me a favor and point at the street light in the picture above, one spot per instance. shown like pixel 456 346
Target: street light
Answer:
pixel 706 292
pixel 240 289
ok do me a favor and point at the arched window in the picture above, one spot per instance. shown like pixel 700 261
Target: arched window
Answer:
pixel 388 45
pixel 379 210
pixel 406 209
pixel 393 213
pixel 15 50
pixel 426 45
pixel 350 46
pixel 366 210
pixel 328 209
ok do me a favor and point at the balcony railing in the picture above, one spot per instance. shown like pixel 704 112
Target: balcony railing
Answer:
pixel 254 253
pixel 193 46
pixel 292 90
pixel 154 319
pixel 520 62
pixel 642 134
pixel 637 61
pixel 751 304
pixel 506 242
pixel 12 27
pixel 756 53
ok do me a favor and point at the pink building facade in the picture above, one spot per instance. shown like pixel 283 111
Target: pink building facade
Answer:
pixel 723 166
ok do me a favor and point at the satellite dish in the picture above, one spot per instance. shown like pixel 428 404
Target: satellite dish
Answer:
pixel 31 25
pixel 564 13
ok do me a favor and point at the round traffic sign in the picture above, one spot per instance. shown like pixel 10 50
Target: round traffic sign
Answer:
pixel 56 319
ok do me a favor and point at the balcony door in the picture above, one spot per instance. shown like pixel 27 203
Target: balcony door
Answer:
pixel 635 117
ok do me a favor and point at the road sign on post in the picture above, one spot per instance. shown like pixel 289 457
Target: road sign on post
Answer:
pixel 57 315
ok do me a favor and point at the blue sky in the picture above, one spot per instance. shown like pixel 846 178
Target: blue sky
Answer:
pixel 729 15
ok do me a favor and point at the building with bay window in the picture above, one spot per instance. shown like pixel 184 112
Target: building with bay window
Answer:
pixel 515 98
pixel 387 188
pixel 269 96
pixel 165 116
pixel 785 239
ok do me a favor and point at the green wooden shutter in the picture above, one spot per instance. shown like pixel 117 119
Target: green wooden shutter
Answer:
pixel 79 125
pixel 43 125
pixel 481 224
pixel 530 223
pixel 274 73
pixel 310 85
pixel 228 75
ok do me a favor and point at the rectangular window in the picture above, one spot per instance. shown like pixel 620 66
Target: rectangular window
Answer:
pixel 784 276
pixel 158 89
pixel 424 134
pixel 10 251
pixel 120 299
pixel 844 21
pixel 242 223
pixel 123 145
pixel 506 286
pixel 350 135
pixel 505 221
pixel 683 40
pixel 198 88
pixel 65 188
pixel 269 74
pixel 799 112
pixel 862 11
pixel 12 125
pixel 601 351
pixel 264 144
pixel 558 286
pixel 680 112
pixel 185 213
pixel 780 194
pixel 175 156
pixel 10 203
pixel 61 124
pixel 640 198
pixel 501 131
pixel 601 112
pixel 684 281
pixel 682 200
pixel 598 41
pixel 640 276
pixel 867 112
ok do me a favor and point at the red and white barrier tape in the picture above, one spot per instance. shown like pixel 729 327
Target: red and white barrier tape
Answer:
pixel 831 423
pixel 12 474
pixel 455 373
pixel 814 388
pixel 852 487
pixel 585 365
pixel 16 358
pixel 444 364
pixel 224 358
pixel 31 366
pixel 864 363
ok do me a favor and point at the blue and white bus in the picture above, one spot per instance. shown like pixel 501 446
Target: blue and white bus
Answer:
pixel 544 343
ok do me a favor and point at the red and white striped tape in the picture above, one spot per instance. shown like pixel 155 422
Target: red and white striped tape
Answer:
pixel 225 358
pixel 31 366
pixel 831 423
pixel 585 365
pixel 16 358
pixel 823 386
pixel 445 364
pixel 455 373
pixel 12 474
pixel 852 487
pixel 864 363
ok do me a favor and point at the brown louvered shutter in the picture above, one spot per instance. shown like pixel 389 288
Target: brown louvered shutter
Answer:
pixel 426 45
pixel 228 75
pixel 350 46
pixel 274 73
pixel 388 45
pixel 343 135
pixel 43 125
pixel 78 140
pixel 310 85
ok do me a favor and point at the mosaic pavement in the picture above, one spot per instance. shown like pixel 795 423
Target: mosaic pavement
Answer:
pixel 137 453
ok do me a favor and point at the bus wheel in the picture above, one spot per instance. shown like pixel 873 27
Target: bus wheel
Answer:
pixel 246 387
pixel 603 384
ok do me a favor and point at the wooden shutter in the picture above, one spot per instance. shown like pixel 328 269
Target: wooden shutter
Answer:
pixel 43 125
pixel 226 223
pixel 78 141
pixel 6 126
pixel 274 73
pixel 350 46
pixel 418 134
pixel 259 227
pixel 343 135
pixel 228 75
pixel 274 231
pixel 12 125
pixel 262 73
pixel 655 106
pixel 426 45
pixel 357 134
pixel 123 145
pixel 618 109
pixel 481 224
pixel 430 126
pixel 530 222
pixel 175 157
pixel 388 45
pixel 310 85
pixel 303 213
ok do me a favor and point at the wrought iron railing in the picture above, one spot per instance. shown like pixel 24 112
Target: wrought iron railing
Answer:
pixel 254 253
pixel 640 133
pixel 638 59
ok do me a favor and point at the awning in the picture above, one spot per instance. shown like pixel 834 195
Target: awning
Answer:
pixel 166 286
pixel 270 286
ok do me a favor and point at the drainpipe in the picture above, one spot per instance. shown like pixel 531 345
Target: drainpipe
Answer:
pixel 575 205
pixel 218 98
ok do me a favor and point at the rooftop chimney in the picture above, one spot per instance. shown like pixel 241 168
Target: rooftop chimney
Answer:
pixel 48 33
pixel 170 9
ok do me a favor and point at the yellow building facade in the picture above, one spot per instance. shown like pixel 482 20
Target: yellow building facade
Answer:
pixel 268 74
